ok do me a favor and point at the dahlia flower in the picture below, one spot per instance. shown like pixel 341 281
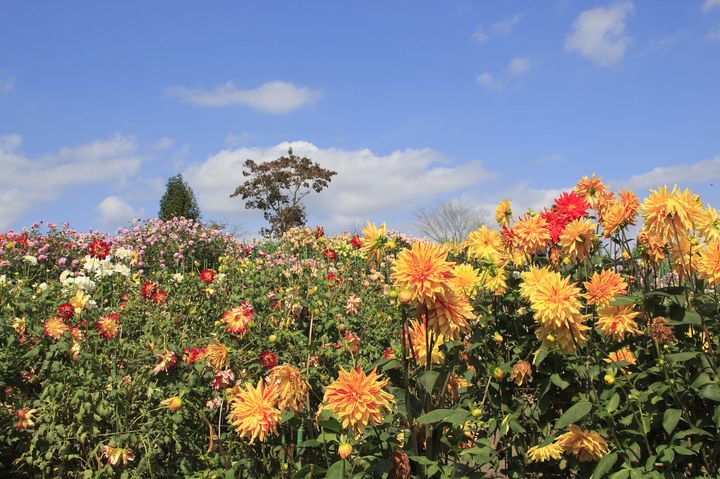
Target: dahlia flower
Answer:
pixel 417 337
pixel 449 315
pixel 603 287
pixel 55 327
pixel 503 213
pixel 253 411
pixel 577 239
pixel 422 269
pixel 483 243
pixel 374 240
pixel 216 355
pixel 551 452
pixel 617 321
pixel 358 399
pixel 238 319
pixel 587 446
pixel 668 213
pixel 292 389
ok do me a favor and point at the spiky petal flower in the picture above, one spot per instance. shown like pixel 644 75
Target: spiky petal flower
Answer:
pixel 617 321
pixel 622 355
pixel 532 234
pixel 108 325
pixel 423 270
pixel 374 240
pixel 708 263
pixel 238 319
pixel 709 225
pixel 55 327
pixel 503 213
pixel 591 189
pixel 521 373
pixel 292 389
pixel 669 213
pixel 216 355
pixel 417 338
pixel 26 419
pixel 587 446
pixel 551 452
pixel 207 276
pixel 571 205
pixel 254 412
pixel 577 239
pixel 465 279
pixel 358 399
pixel 449 315
pixel 483 243
pixel 79 301
pixel 531 279
pixel 167 361
pixel 117 456
pixel 603 287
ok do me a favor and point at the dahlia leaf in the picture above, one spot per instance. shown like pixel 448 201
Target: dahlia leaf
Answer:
pixel 576 412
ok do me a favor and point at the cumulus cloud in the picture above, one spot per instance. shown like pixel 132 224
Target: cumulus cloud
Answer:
pixel 115 211
pixel 709 5
pixel 699 172
pixel 599 34
pixel 367 185
pixel 489 81
pixel 503 27
pixel 519 66
pixel 26 182
pixel 272 97
pixel 479 35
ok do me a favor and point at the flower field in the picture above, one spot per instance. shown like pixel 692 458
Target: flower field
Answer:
pixel 578 341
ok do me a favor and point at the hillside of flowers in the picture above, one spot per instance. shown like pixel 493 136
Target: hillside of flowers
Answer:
pixel 578 341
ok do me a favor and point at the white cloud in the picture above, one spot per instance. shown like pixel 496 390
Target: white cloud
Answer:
pixel 489 81
pixel 479 35
pixel 367 186
pixel 164 143
pixel 271 97
pixel 709 5
pixel 114 211
pixel 714 34
pixel 26 182
pixel 519 66
pixel 505 26
pixel 599 34
pixel 699 172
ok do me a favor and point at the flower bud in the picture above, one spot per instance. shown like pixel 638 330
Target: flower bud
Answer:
pixel 344 450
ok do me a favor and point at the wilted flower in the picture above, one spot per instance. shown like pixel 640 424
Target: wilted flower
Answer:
pixel 352 305
pixel 216 355
pixel 521 373
pixel 291 387
pixel 166 362
pixel 358 399
pixel 223 380
pixel 193 355
pixel 253 411
pixel 117 455
pixel 587 446
pixel 26 418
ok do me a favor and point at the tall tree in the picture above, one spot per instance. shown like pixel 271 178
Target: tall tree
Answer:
pixel 449 220
pixel 278 187
pixel 178 200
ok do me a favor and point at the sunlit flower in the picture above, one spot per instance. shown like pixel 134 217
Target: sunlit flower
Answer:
pixel 207 276
pixel 418 338
pixel 374 240
pixel 117 456
pixel 26 419
pixel 621 355
pixel 531 279
pixel 292 389
pixel 503 213
pixel 652 246
pixel 344 450
pixel 551 452
pixel 108 325
pixel 587 446
pixel 493 278
pixel 591 189
pixel 449 315
pixel 148 290
pixel 167 361
pixel 422 269
pixel 709 225
pixel 358 399
pixel 172 403
pixel 577 239
pixel 617 321
pixel 216 355
pixel 55 328
pixel 555 222
pixel 253 411
pixel 238 319
pixel 465 278
pixel 670 213
pixel 193 355
pixel 99 249
pixel 521 373
pixel 483 243
pixel 620 213
pixel 532 233
pixel 352 305
pixel 603 287
pixel 708 263
pixel 571 205
pixel 79 300
pixel 223 380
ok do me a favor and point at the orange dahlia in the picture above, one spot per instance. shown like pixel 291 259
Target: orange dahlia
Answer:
pixel 253 411
pixel 503 213
pixel 556 301
pixel 532 233
pixel 55 327
pixel 531 279
pixel 216 355
pixel 551 452
pixel 291 387
pixel 577 239
pixel 465 279
pixel 483 243
pixel 108 325
pixel 668 213
pixel 521 373
pixel 591 189
pixel 374 240
pixel 621 355
pixel 422 269
pixel 708 263
pixel 617 321
pixel 238 319
pixel 358 399
pixel 652 246
pixel 450 314
pixel 587 446
pixel 417 338
pixel 603 287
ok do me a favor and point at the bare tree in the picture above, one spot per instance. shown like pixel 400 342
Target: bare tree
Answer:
pixel 450 220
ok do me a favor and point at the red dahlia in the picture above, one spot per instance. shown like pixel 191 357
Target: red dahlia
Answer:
pixel 571 205
pixel 556 223
pixel 207 276
pixel 355 242
pixel 66 311
pixel 99 249
pixel 330 254
pixel 148 290
pixel 268 359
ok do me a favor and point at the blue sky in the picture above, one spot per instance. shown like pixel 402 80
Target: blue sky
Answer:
pixel 409 101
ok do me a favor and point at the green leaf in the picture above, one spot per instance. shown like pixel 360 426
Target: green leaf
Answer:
pixel 622 300
pixel 670 419
pixel 578 411
pixel 604 465
pixel 711 392
pixel 680 357
pixel 613 403
pixel 691 317
pixel 336 470
pixel 428 380
pixel 438 415
pixel 558 381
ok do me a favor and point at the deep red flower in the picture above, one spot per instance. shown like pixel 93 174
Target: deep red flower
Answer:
pixel 556 223
pixel 319 232
pixel 193 355
pixel 160 297
pixel 330 254
pixel 99 249
pixel 268 359
pixel 571 205
pixel 389 354
pixel 334 277
pixel 207 276
pixel 148 290
pixel 355 242
pixel 66 311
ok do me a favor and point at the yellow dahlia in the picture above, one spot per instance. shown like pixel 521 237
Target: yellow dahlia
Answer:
pixel 417 339
pixel 503 213
pixel 253 411
pixel 577 239
pixel 683 256
pixel 216 355
pixel 483 243
pixel 620 213
pixel 591 189
pixel 172 403
pixel 494 279
pixel 531 279
pixel 358 399
pixel 587 446
pixel 374 240
pixel 238 319
pixel 667 213
pixel 652 245
pixel 551 452
pixel 449 315
pixel 709 224
pixel 532 233
pixel 55 327
pixel 555 301
pixel 291 387
pixel 422 269
pixel 79 301
pixel 617 321
pixel 624 354
pixel 465 279
pixel 563 338
pixel 708 263
pixel 603 287
pixel 521 373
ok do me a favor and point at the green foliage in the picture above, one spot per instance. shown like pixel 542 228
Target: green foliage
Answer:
pixel 178 201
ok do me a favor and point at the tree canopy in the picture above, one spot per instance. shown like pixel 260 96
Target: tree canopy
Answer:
pixel 178 200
